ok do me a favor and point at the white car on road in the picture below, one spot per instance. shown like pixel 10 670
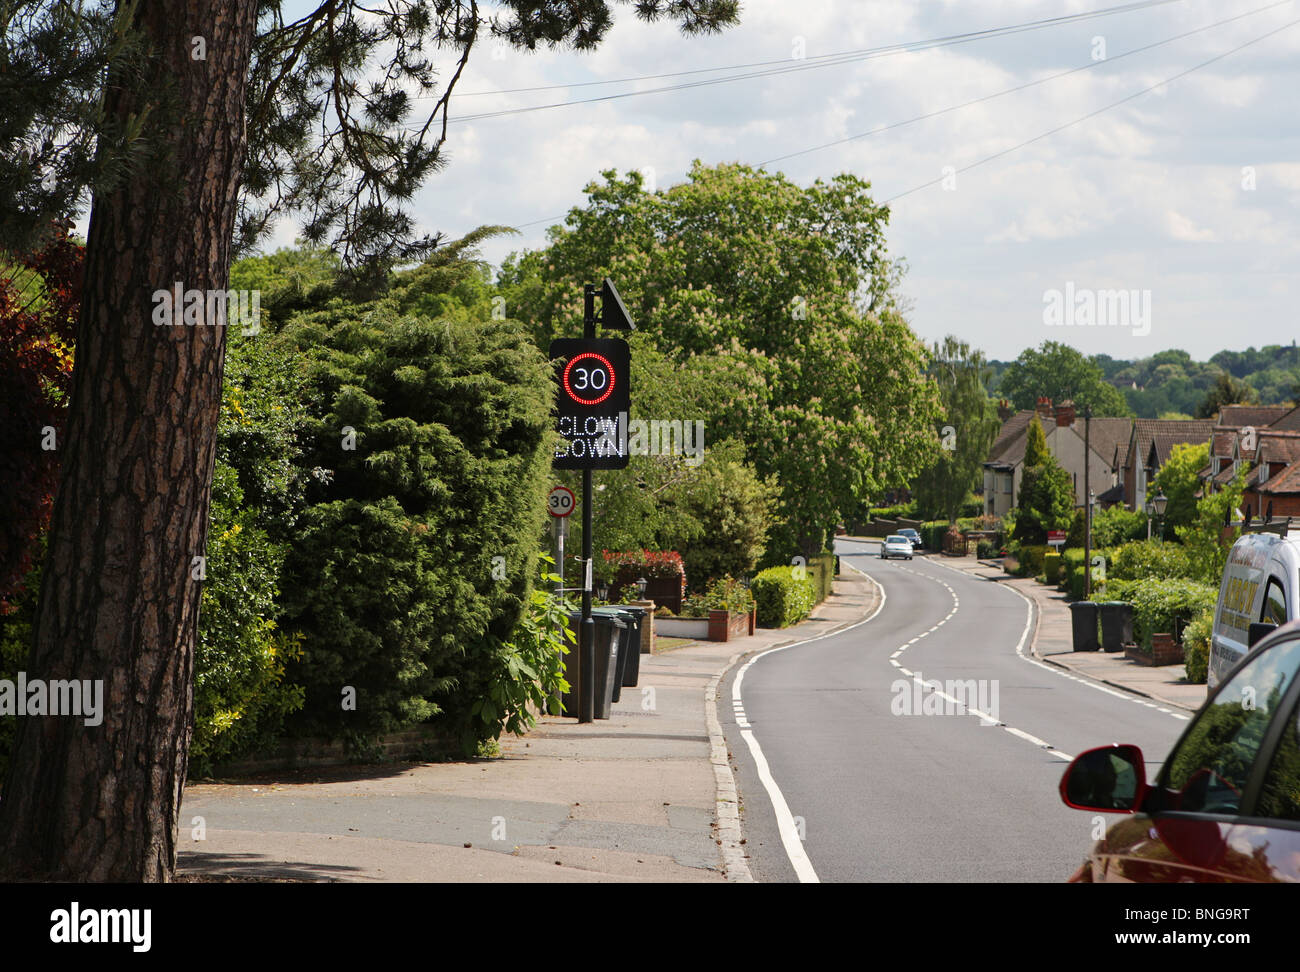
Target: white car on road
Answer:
pixel 896 546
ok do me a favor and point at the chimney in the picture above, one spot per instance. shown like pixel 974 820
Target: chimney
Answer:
pixel 1045 411
pixel 1065 414
pixel 1005 411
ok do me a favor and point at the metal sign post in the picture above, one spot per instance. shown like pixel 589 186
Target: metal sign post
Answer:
pixel 592 404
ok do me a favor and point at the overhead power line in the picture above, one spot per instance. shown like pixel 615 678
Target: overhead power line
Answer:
pixel 1036 138
pixel 954 38
pixel 1093 114
pixel 1021 87
pixel 828 60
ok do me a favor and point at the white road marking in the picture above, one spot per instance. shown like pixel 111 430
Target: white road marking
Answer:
pixel 1062 673
pixel 794 850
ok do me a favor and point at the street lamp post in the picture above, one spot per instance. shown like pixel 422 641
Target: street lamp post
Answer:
pixel 1159 504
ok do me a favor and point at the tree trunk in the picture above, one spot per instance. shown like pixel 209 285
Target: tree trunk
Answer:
pixel 120 596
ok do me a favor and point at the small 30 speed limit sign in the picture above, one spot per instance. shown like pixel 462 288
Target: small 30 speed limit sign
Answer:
pixel 560 502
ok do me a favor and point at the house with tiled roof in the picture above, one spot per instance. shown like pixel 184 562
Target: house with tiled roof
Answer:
pixel 1149 447
pixel 1250 416
pixel 1239 431
pixel 1087 450
pixel 1290 422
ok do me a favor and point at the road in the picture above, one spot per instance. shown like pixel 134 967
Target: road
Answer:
pixel 873 793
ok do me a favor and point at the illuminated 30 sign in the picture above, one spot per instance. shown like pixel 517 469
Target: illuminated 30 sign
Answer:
pixel 591 402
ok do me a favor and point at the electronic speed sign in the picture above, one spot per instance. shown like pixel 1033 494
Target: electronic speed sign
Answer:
pixel 591 402
pixel 560 502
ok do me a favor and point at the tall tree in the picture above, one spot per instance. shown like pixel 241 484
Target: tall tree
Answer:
pixel 158 111
pixel 1226 390
pixel 1046 500
pixel 1178 480
pixel 783 294
pixel 969 424
pixel 1059 372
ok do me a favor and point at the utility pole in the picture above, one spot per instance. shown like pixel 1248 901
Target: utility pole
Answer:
pixel 1087 501
pixel 587 629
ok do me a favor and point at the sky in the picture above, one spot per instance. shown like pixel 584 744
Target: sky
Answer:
pixel 1172 220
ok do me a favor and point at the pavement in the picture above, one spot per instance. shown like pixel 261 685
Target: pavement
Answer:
pixel 647 795
pixel 1053 643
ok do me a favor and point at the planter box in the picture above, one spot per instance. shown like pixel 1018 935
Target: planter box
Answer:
pixel 718 626
pixel 723 625
pixel 1164 651
pixel 696 629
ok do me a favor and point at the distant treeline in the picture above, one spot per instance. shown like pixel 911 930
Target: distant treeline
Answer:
pixel 1170 382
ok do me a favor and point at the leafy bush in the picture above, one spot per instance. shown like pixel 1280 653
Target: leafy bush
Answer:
pixel 721 517
pixel 241 697
pixel 1196 646
pixel 1166 606
pixel 1116 525
pixel 530 666
pixel 905 510
pixel 822 569
pixel 1052 567
pixel 782 598
pixel 986 549
pixel 414 562
pixel 932 534
pixel 1114 589
pixel 724 594
pixel 1073 570
pixel 1149 559
pixel 1031 558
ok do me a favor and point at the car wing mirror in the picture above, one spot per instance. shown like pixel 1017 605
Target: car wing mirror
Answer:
pixel 1109 779
pixel 1259 630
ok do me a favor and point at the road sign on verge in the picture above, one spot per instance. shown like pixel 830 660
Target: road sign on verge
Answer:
pixel 1056 538
pixel 560 501
pixel 591 402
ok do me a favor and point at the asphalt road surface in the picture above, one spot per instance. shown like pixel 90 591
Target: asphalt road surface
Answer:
pixel 864 784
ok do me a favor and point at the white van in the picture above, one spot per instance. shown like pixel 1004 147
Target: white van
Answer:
pixel 1261 586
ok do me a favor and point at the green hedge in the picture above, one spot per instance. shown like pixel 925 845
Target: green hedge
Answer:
pixel 782 598
pixel 1072 558
pixel 1031 559
pixel 1143 559
pixel 932 534
pixel 1160 605
pixel 822 570
pixel 1052 567
pixel 1196 646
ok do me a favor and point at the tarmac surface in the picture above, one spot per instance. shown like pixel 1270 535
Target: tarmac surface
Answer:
pixel 647 795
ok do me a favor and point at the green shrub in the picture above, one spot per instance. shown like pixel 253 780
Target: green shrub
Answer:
pixel 782 598
pixel 724 594
pixel 1113 589
pixel 728 508
pixel 415 560
pixel 1166 605
pixel 241 696
pixel 1116 525
pixel 1149 559
pixel 986 549
pixel 529 670
pixel 932 534
pixel 1031 558
pixel 1052 567
pixel 822 570
pixel 1196 646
